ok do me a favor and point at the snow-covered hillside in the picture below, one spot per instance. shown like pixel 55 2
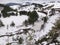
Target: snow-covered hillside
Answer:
pixel 28 23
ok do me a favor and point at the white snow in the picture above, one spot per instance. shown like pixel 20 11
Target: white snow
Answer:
pixel 18 20
pixel 27 8
pixel 52 44
pixel 48 26
pixel 48 6
pixel 44 43
pixel 3 40
pixel 41 14
pixel 15 6
pixel 56 5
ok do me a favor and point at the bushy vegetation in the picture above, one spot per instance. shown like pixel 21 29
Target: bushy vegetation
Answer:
pixel 1 23
pixel 20 40
pixel 5 10
pixel 33 16
pixel 8 44
pixel 45 19
pixel 57 25
pixel 52 11
pixel 26 23
pixel 12 24
pixel 12 14
pixel 0 15
pixel 23 12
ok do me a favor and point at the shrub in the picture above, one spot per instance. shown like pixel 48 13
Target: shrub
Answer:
pixel 5 10
pixel 8 44
pixel 1 23
pixel 20 40
pixel 23 12
pixel 26 23
pixel 33 16
pixel 12 24
pixel 0 15
pixel 45 19
pixel 53 11
pixel 57 26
